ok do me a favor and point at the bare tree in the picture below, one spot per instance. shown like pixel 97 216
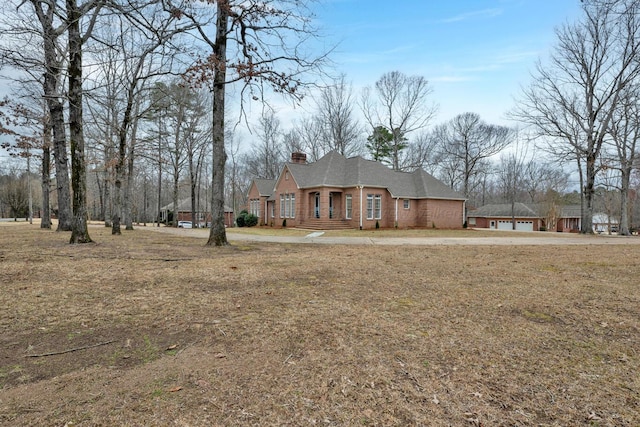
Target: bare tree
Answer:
pixel 266 157
pixel 141 50
pixel 540 177
pixel 625 133
pixel 572 99
pixel 270 40
pixel 467 141
pixel 423 153
pixel 510 171
pixel 309 132
pixel 75 40
pixel 341 130
pixel 49 62
pixel 196 136
pixel 401 105
pixel 29 127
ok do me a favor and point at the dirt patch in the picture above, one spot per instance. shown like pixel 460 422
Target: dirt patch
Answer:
pixel 156 329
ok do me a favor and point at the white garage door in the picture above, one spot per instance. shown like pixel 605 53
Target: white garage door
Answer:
pixel 520 225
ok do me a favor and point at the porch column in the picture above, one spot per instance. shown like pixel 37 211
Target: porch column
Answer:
pixel 360 187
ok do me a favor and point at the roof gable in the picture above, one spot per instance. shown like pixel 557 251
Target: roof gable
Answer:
pixel 265 187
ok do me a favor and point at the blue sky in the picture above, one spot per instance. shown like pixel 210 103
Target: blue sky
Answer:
pixel 475 53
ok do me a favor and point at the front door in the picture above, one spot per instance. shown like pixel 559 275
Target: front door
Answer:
pixel 330 205
pixel 317 206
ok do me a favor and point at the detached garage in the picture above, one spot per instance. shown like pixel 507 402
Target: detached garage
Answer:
pixel 521 225
pixel 500 217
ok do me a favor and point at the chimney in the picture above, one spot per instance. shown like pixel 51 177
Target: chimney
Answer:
pixel 299 158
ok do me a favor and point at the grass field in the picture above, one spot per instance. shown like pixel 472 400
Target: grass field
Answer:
pixel 158 330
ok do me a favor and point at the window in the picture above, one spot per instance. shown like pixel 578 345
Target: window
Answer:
pixel 378 206
pixel 292 209
pixel 405 203
pixel 282 206
pixel 288 205
pixel 286 175
pixel 369 206
pixel 254 207
pixel 349 203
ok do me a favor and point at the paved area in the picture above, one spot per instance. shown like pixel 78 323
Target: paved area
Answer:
pixel 518 239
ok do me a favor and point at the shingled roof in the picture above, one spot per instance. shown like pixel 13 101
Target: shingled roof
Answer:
pixel 335 170
pixel 265 186
pixel 184 205
pixel 520 210
pixel 523 210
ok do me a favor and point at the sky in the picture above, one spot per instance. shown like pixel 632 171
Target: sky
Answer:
pixel 476 54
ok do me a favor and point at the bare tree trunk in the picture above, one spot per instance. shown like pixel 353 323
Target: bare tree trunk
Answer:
pixel 589 191
pixel 624 203
pixel 218 235
pixel 159 176
pixel 79 231
pixel 45 217
pixel 120 168
pixel 53 70
pixel 128 211
pixel 108 182
pixel 117 197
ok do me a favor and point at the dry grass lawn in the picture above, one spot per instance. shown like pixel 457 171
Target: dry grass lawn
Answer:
pixel 157 330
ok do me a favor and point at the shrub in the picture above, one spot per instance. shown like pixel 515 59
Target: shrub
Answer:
pixel 245 219
pixel 377 225
pixel 240 220
pixel 250 220
pixel 284 222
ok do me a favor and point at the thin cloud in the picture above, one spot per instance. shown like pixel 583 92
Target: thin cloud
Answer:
pixel 451 79
pixel 478 14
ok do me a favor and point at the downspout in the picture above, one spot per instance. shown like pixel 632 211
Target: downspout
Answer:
pixel 266 211
pixel 360 187
pixel 395 222
pixel 464 213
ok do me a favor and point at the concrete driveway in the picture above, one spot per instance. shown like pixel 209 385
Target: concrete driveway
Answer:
pixel 518 239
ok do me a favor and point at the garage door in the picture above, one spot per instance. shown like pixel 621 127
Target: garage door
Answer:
pixel 520 225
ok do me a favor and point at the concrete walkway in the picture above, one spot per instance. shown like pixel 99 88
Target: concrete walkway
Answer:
pixel 518 239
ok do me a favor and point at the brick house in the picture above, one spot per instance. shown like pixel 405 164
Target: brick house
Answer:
pixel 528 217
pixel 203 216
pixel 338 192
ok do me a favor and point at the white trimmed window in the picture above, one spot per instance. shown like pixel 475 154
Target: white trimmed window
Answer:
pixel 349 205
pixel 377 206
pixel 288 205
pixel 292 208
pixel 282 206
pixel 369 206
pixel 254 207
pixel 406 203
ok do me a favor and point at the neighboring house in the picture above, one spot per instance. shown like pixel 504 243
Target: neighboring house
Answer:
pixel 203 216
pixel 527 217
pixel 502 216
pixel 603 223
pixel 338 192
pixel 569 219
